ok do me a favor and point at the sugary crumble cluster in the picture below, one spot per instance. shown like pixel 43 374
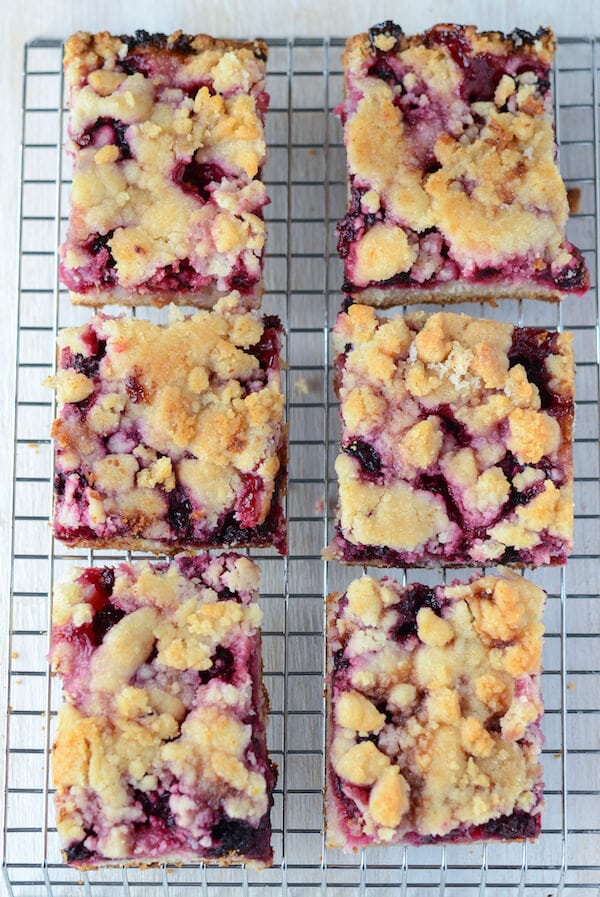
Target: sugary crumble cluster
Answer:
pixel 454 191
pixel 160 754
pixel 171 436
pixel 456 441
pixel 168 144
pixel 434 713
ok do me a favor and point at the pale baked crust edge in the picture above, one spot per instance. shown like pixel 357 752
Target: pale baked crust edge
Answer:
pixel 452 293
pixel 205 298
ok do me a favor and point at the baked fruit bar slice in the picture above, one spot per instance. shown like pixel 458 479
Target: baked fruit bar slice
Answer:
pixel 170 436
pixel 168 145
pixel 454 191
pixel 160 753
pixel 434 712
pixel 456 442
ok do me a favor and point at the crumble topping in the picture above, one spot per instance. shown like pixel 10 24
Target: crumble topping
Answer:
pixel 161 738
pixel 455 745
pixel 453 181
pixel 382 253
pixel 390 514
pixel 456 441
pixel 171 428
pixel 533 434
pixel 354 711
pixel 518 198
pixel 376 123
pixel 168 146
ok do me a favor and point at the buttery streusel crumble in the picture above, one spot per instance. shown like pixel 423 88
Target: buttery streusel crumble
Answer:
pixel 434 712
pixel 160 753
pixel 454 191
pixel 456 441
pixel 170 436
pixel 168 144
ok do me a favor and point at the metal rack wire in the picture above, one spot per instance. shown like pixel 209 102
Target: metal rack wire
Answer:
pixel 306 181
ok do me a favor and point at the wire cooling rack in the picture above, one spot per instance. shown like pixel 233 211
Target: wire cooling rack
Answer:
pixel 305 177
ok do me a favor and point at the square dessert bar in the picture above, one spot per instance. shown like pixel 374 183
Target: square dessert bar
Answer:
pixel 170 436
pixel 168 144
pixel 160 753
pixel 434 712
pixel 454 191
pixel 456 441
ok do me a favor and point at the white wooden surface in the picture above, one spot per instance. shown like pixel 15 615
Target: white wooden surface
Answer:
pixel 27 19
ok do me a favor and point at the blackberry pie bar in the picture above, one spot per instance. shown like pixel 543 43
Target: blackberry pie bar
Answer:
pixel 168 144
pixel 456 443
pixel 170 436
pixel 454 191
pixel 434 712
pixel 160 753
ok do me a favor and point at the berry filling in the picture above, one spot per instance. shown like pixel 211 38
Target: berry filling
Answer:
pixel 97 585
pixel 385 29
pixel 366 454
pixel 518 826
pixel 89 365
pixel 413 599
pixel 180 275
pixel 241 280
pixel 235 835
pixel 231 529
pixel 249 502
pixel 78 853
pixel 155 807
pixel 455 430
pixel 106 132
pixel 179 512
pixel 135 389
pixel 268 347
pixel 222 666
pixel 482 72
pixel 156 56
pixel 381 68
pixel 574 278
pixel 355 222
pixel 435 257
pixel 531 347
pixel 99 269
pixel 199 178
pixel 104 621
